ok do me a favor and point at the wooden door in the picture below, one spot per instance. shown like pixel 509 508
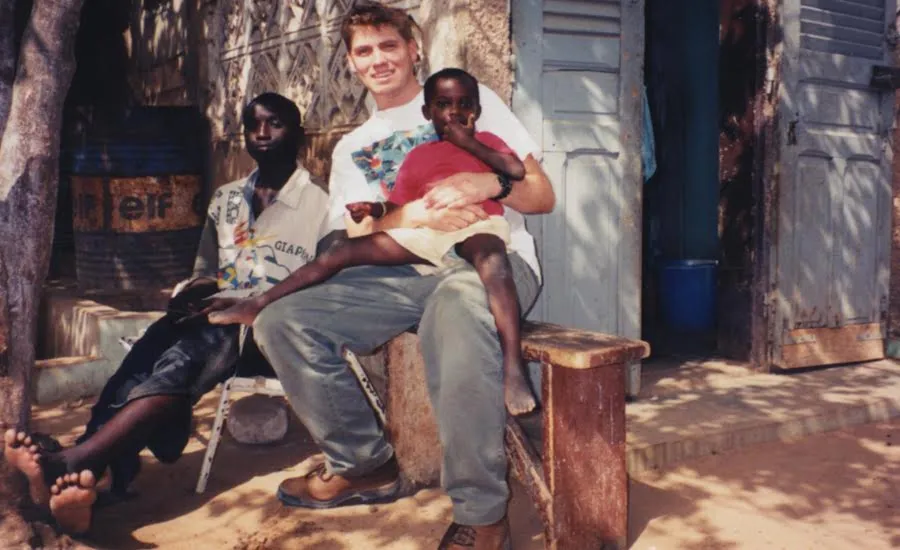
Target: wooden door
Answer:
pixel 579 77
pixel 834 191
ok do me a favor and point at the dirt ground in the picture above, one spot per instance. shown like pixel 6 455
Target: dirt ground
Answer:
pixel 833 491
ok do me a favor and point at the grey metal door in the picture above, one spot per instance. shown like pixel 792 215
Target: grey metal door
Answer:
pixel 834 192
pixel 579 77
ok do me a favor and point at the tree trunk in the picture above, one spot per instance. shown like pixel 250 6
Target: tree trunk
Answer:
pixel 29 166
pixel 29 158
pixel 7 61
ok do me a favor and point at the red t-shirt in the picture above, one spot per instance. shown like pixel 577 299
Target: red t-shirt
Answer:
pixel 431 162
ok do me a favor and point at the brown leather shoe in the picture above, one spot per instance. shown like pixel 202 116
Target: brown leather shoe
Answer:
pixel 320 489
pixel 481 537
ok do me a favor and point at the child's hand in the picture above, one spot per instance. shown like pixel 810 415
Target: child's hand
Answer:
pixel 362 210
pixel 459 134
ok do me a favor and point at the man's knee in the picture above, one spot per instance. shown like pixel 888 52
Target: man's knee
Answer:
pixel 288 326
pixel 270 322
pixel 459 300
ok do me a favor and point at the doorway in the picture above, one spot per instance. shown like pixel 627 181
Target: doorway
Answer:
pixel 704 69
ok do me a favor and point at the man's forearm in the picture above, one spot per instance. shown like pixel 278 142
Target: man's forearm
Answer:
pixel 534 193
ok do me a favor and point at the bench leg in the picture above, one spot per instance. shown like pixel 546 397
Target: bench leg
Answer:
pixel 584 458
pixel 214 436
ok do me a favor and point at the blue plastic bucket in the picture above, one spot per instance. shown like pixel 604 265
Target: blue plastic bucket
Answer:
pixel 688 294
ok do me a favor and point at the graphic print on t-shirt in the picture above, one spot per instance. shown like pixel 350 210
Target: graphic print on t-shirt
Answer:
pixel 381 161
pixel 251 258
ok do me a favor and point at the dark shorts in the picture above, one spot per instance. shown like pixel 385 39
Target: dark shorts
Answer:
pixel 169 359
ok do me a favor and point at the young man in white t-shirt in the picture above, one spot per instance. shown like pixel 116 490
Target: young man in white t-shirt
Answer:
pixel 303 334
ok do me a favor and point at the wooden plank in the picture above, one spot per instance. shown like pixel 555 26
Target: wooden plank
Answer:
pixel 848 7
pixel 584 457
pixel 832 346
pixel 592 8
pixel 594 134
pixel 527 468
pixel 567 51
pixel 632 115
pixel 843 34
pixel 856 264
pixel 598 93
pixel 840 20
pixel 830 104
pixel 576 348
pixel 593 208
pixel 811 261
pixel 526 23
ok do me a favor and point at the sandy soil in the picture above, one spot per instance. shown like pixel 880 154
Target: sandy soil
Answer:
pixel 835 491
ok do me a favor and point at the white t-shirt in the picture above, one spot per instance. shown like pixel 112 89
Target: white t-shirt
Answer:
pixel 255 254
pixel 365 162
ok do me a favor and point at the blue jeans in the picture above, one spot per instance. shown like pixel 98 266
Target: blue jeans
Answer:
pixel 303 335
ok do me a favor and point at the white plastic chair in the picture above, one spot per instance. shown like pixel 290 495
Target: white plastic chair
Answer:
pixel 272 387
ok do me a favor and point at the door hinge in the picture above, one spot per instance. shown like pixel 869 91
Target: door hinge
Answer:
pixel 792 131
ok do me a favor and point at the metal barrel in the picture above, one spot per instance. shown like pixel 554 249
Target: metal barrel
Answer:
pixel 137 210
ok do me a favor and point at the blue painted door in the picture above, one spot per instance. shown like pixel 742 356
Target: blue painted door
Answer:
pixel 832 244
pixel 578 82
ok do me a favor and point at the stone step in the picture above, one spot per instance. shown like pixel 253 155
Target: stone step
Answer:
pixel 717 413
pixel 68 378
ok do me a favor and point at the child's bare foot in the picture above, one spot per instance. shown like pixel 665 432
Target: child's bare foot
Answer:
pixel 71 500
pixel 517 392
pixel 23 454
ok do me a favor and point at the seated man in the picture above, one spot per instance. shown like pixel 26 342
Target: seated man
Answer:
pixel 452 105
pixel 258 230
pixel 303 335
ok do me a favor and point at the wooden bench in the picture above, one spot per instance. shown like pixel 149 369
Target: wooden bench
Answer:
pixel 577 479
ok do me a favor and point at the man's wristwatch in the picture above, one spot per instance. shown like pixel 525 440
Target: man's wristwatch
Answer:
pixel 505 187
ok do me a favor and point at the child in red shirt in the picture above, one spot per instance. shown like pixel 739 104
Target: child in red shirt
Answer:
pixel 452 104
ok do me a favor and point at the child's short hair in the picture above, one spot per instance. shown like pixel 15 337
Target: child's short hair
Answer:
pixel 375 14
pixel 452 73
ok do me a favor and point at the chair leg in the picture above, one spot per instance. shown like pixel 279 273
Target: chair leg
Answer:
pixel 214 436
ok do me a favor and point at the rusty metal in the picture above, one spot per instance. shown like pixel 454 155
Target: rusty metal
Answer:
pixel 135 230
pixel 136 204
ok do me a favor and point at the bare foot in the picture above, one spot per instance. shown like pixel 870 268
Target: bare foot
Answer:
pixel 517 392
pixel 71 500
pixel 22 454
